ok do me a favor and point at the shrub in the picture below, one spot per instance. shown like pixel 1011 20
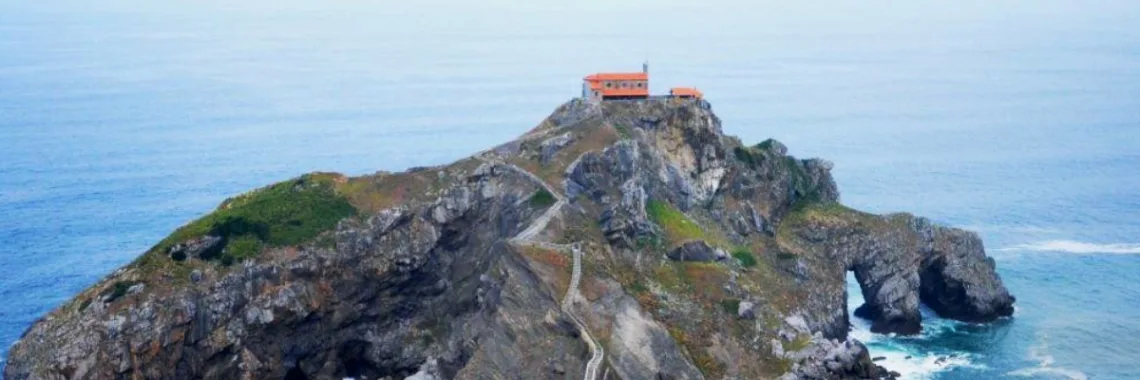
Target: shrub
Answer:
pixel 118 290
pixel 730 305
pixel 241 248
pixel 745 256
pixel 648 242
pixel 542 198
pixel 748 156
pixel 766 144
pixel 638 287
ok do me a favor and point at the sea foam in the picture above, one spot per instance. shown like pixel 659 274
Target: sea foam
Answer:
pixel 901 354
pixel 1070 246
pixel 1045 368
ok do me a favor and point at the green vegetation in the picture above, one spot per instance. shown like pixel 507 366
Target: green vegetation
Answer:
pixel 241 248
pixel 678 227
pixel 649 242
pixel 827 211
pixel 801 342
pixel 542 199
pixel 623 131
pixel 730 305
pixel 800 181
pixel 749 156
pixel 117 290
pixel 766 144
pixel 638 287
pixel 745 256
pixel 287 213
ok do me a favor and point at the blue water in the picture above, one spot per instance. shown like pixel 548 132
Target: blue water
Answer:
pixel 121 120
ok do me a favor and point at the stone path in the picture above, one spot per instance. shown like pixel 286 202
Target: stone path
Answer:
pixel 597 353
pixel 527 237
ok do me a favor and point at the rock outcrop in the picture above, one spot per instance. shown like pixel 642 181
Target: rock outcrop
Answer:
pixel 901 261
pixel 696 250
pixel 701 258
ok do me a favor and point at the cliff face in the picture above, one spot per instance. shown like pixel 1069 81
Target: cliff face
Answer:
pixel 628 238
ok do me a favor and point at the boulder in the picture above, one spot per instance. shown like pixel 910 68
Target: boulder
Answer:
pixel 203 247
pixel 745 310
pixel 696 250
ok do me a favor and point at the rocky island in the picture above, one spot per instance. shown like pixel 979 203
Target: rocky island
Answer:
pixel 619 240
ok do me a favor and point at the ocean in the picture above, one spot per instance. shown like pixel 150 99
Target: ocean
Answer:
pixel 121 120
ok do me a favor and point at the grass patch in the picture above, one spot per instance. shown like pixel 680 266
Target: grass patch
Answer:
pixel 744 256
pixel 801 342
pixel 287 213
pixel 678 227
pixel 671 277
pixel 542 199
pixel 623 131
pixel 705 282
pixel 241 248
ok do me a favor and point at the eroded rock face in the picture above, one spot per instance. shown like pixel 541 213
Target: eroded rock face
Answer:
pixel 901 261
pixel 830 359
pixel 401 294
pixel 641 347
pixel 435 287
pixel 957 280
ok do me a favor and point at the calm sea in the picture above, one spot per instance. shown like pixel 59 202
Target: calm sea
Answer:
pixel 1021 120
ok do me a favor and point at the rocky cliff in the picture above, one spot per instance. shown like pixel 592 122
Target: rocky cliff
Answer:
pixel 629 240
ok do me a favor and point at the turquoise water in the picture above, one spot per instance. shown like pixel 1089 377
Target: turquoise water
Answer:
pixel 123 120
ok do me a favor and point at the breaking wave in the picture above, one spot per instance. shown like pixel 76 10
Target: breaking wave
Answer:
pixel 1070 246
pixel 909 356
pixel 1045 368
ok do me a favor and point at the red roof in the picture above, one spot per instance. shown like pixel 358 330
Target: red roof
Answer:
pixel 686 91
pixel 617 76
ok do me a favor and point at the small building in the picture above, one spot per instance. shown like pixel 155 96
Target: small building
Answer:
pixel 686 93
pixel 609 86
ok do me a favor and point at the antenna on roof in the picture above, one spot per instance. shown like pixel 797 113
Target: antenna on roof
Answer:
pixel 645 67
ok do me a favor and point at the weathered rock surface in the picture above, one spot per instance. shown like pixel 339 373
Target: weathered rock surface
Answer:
pixel 830 359
pixel 426 280
pixel 696 250
pixel 901 261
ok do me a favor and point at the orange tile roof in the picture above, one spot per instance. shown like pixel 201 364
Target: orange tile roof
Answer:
pixel 617 76
pixel 686 91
